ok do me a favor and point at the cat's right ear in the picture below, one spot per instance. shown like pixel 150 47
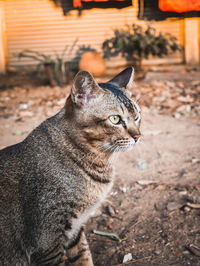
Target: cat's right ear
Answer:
pixel 124 79
pixel 84 88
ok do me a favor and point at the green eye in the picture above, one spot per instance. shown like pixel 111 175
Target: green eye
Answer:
pixel 115 119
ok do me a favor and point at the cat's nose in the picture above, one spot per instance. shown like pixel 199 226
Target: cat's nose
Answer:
pixel 136 137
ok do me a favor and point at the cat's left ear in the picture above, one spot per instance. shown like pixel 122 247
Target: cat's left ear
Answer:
pixel 84 88
pixel 124 79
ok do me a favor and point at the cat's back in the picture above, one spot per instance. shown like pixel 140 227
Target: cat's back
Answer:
pixel 10 155
pixel 10 220
pixel 10 170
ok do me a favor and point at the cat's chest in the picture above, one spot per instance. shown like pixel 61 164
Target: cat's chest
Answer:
pixel 94 196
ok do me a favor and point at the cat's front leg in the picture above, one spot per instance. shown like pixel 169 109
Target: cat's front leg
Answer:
pixel 78 253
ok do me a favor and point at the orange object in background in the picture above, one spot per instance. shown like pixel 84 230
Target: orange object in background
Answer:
pixel 179 6
pixel 92 62
pixel 77 3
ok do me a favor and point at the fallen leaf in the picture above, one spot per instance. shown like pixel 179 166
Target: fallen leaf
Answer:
pixel 193 205
pixel 194 249
pixel 186 99
pixel 18 133
pixel 110 210
pixel 171 206
pixel 145 182
pixel 110 235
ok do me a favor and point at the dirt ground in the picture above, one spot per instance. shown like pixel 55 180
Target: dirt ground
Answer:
pixel 153 210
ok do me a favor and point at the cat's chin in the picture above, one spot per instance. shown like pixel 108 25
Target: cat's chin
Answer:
pixel 119 147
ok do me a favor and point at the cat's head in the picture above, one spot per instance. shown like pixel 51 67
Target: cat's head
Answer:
pixel 104 113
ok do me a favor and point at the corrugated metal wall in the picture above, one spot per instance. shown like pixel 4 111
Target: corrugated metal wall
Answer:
pixel 2 37
pixel 40 25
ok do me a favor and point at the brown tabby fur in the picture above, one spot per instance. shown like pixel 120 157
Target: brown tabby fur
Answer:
pixel 56 178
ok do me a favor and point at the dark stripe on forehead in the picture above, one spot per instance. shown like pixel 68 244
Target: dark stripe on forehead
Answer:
pixel 119 94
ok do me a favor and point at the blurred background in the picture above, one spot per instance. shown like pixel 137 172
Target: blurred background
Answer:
pixel 48 26
pixel 154 207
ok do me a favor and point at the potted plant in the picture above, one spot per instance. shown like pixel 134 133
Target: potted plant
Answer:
pixel 57 69
pixel 135 43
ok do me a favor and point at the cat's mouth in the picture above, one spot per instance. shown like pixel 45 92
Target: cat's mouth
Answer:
pixel 120 145
pixel 124 145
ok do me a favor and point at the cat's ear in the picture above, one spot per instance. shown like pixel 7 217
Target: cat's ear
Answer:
pixel 124 79
pixel 84 88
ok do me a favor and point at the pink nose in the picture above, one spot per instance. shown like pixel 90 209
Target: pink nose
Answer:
pixel 136 137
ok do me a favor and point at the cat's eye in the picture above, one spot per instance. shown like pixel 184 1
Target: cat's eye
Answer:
pixel 115 119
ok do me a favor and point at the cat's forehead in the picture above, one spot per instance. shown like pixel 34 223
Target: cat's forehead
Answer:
pixel 120 96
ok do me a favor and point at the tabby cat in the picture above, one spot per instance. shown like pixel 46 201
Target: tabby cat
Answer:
pixel 51 182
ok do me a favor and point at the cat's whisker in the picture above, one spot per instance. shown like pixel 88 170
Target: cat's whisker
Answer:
pixel 92 153
pixel 115 154
pixel 112 157
pixel 102 151
pixel 98 156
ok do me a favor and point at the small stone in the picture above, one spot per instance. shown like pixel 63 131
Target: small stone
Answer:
pixel 142 165
pixel 23 106
pixel 187 209
pixel 177 115
pixel 158 251
pixel 188 108
pixel 127 257
pixel 186 252
pixel 124 189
